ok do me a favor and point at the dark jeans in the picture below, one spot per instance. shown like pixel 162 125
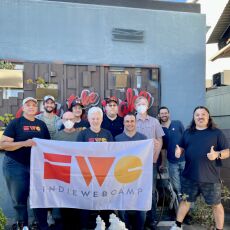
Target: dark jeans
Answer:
pixel 134 220
pixel 17 178
pixel 151 214
pixel 175 174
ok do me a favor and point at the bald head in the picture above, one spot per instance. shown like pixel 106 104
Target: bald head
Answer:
pixel 68 116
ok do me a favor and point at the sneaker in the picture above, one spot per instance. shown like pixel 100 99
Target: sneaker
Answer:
pixel 34 226
pixel 19 226
pixel 50 219
pixel 175 227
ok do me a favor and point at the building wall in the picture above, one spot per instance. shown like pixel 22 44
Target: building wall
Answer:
pixel 79 33
pixel 217 101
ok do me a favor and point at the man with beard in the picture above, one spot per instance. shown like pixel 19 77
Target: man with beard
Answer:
pixel 111 120
pixel 204 146
pixel 173 130
pixel 53 122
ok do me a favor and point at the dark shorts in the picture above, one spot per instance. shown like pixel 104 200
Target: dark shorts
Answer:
pixel 210 191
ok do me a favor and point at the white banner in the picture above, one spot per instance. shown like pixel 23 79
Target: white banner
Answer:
pixel 94 176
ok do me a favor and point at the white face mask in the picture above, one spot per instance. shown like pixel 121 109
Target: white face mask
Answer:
pixel 68 124
pixel 141 109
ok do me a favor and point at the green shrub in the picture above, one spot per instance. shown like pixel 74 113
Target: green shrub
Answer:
pixel 202 213
pixel 6 65
pixel 2 220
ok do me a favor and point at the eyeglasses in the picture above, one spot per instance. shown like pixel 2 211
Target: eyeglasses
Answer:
pixel 113 105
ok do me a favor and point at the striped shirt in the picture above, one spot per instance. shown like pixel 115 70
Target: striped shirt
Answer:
pixel 150 127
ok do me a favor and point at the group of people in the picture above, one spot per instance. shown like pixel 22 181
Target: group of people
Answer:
pixel 193 156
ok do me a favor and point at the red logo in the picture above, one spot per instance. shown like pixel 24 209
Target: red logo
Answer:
pixel 100 166
pixel 54 171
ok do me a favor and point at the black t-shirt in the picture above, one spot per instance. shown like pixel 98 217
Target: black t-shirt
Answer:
pixel 88 135
pixel 79 126
pixel 197 144
pixel 21 129
pixel 115 127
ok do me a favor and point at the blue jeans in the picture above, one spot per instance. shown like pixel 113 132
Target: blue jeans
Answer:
pixel 175 175
pixel 17 178
pixel 137 222
pixel 151 214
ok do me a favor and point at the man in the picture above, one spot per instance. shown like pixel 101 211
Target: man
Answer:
pixel 17 141
pixel 173 130
pixel 130 134
pixel 150 127
pixel 53 122
pixel 111 120
pixel 69 133
pixel 94 134
pixel 204 146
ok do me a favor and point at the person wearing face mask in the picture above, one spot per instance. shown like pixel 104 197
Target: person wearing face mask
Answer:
pixel 51 120
pixel 111 120
pixel 77 109
pixel 150 127
pixel 69 133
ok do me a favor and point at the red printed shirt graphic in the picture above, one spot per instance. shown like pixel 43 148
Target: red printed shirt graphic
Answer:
pixel 88 135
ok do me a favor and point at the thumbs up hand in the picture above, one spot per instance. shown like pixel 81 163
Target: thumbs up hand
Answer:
pixel 178 151
pixel 212 155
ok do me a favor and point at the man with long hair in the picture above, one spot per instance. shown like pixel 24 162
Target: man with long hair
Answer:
pixel 204 146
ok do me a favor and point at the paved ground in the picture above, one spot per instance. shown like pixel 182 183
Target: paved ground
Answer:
pixel 164 225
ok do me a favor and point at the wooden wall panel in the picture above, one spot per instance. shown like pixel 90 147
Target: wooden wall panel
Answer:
pixel 95 77
pixel 13 101
pixel 111 81
pixel 81 69
pixel 87 80
pixel 43 71
pixel 72 79
pixel 92 68
pixel 102 81
pixel 71 76
pixel 28 73
pixel 58 69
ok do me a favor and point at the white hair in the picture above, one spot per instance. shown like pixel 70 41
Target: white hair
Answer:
pixel 95 110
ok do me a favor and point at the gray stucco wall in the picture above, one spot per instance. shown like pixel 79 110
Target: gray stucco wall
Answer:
pixel 80 33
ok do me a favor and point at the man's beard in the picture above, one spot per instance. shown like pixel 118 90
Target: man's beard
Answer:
pixel 49 111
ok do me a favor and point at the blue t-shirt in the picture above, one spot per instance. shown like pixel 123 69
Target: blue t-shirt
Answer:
pixel 196 145
pixel 172 137
pixel 21 129
pixel 136 137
